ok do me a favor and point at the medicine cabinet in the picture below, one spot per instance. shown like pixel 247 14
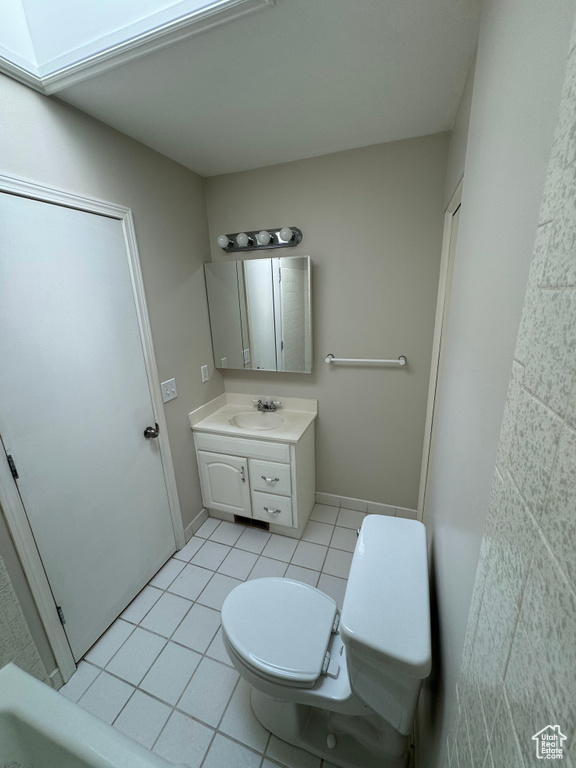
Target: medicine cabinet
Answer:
pixel 260 314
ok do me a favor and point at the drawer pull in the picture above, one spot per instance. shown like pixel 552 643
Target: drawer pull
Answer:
pixel 270 479
pixel 272 511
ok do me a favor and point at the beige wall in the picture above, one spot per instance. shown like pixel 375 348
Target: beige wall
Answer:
pixel 519 72
pixel 372 222
pixel 459 138
pixel 53 144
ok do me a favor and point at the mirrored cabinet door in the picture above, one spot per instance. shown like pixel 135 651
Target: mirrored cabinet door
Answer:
pixel 225 319
pixel 259 297
pixel 261 314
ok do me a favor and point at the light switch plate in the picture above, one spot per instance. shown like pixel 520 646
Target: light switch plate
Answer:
pixel 169 391
pixel 204 372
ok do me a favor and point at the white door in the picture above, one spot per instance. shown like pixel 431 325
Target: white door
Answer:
pixel 224 482
pixel 74 403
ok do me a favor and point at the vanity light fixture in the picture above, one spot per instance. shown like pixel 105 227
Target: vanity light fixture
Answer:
pixel 257 240
pixel 287 234
pixel 242 240
pixel 224 241
pixel 263 237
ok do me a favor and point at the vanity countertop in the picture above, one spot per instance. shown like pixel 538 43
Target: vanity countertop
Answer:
pixel 216 416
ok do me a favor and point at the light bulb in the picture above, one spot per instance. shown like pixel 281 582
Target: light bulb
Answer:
pixel 223 241
pixel 286 234
pixel 243 240
pixel 263 237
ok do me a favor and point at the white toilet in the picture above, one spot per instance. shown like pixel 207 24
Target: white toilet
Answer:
pixel 342 687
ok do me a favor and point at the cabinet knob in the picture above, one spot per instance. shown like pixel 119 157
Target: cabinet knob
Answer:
pixel 270 479
pixel 272 511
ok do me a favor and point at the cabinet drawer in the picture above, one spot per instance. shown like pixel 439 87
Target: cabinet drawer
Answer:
pixel 266 476
pixel 250 449
pixel 261 502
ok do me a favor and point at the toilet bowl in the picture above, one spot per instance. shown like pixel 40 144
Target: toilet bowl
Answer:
pixel 344 687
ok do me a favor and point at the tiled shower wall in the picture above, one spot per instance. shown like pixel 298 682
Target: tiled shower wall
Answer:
pixel 518 671
pixel 16 643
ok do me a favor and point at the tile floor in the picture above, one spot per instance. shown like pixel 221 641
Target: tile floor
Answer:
pixel 161 675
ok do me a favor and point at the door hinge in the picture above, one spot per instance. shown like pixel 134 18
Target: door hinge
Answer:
pixel 61 615
pixel 12 466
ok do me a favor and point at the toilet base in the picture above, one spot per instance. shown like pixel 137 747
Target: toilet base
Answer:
pixel 344 740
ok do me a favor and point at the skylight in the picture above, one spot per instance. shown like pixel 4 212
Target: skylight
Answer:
pixel 51 45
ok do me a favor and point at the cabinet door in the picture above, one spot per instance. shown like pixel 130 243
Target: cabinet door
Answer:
pixel 224 481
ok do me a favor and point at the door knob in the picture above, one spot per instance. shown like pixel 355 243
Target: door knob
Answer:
pixel 150 432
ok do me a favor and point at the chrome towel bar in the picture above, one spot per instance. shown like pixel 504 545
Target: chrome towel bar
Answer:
pixel 399 361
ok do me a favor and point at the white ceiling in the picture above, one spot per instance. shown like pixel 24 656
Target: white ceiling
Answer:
pixel 299 79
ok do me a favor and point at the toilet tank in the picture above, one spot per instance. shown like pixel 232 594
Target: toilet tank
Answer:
pixel 385 622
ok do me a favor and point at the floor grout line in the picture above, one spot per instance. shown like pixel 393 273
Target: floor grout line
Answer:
pixel 124 707
pixel 174 708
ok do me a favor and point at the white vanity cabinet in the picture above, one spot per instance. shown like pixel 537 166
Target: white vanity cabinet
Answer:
pixel 262 479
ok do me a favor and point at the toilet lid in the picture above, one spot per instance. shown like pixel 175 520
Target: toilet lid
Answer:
pixel 280 627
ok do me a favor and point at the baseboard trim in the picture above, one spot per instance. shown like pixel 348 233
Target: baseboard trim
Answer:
pixel 362 505
pixel 193 526
pixel 56 679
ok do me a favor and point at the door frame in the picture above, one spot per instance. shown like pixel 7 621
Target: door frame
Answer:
pixel 446 268
pixel 10 500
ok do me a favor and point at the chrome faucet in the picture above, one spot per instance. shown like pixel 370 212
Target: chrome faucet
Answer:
pixel 269 406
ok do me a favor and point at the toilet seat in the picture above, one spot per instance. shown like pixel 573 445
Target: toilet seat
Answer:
pixel 280 628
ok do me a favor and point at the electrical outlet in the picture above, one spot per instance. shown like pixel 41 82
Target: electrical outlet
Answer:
pixel 204 372
pixel 223 362
pixel 169 391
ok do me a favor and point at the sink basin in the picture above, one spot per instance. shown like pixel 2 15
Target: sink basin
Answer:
pixel 257 420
